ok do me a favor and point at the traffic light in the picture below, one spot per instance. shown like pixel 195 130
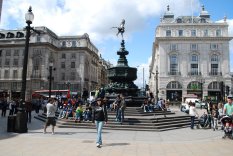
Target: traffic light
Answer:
pixel 227 90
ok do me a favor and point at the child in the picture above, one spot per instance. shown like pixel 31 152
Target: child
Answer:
pixel 79 113
pixel 227 121
pixel 215 115
pixel 88 113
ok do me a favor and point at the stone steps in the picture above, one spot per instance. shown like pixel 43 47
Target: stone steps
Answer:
pixel 135 120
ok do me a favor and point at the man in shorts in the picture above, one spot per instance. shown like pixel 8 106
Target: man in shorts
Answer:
pixel 51 109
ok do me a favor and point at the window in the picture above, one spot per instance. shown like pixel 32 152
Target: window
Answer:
pixel 72 76
pixel 19 35
pixel 194 69
pixel 214 65
pixel 214 69
pixel 8 52
pixel 10 35
pixel 72 64
pixel 179 20
pixel 38 38
pixel 194 58
pixel 15 74
pixel 168 33
pixel 173 65
pixel 16 53
pixel 7 62
pixel 15 62
pixel 180 32
pixel 73 55
pixel 63 43
pixel 203 20
pixel 218 32
pixel 63 55
pixel 6 74
pixel 63 76
pixel 194 47
pixel 0 53
pixel 194 65
pixel 193 32
pixel 214 58
pixel 63 65
pixel 214 46
pixel 206 33
pixel 73 43
pixel 173 47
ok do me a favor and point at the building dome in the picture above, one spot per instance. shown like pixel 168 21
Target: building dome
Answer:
pixel 204 13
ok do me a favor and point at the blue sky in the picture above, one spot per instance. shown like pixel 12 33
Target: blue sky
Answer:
pixel 96 17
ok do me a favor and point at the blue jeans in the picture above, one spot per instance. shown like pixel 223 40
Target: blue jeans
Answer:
pixel 99 127
pixel 192 121
pixel 78 116
pixel 120 115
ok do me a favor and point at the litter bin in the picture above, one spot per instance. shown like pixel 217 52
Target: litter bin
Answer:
pixel 21 122
pixel 11 123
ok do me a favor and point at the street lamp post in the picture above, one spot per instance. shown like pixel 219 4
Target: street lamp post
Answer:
pixel 21 117
pixel 202 81
pixel 143 85
pixel 29 18
pixel 50 77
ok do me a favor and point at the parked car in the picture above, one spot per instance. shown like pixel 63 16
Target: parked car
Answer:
pixel 200 104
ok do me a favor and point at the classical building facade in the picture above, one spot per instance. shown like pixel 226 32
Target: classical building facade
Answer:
pixel 75 60
pixel 190 58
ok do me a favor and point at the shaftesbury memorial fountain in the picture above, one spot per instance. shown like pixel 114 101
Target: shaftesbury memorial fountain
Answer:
pixel 122 76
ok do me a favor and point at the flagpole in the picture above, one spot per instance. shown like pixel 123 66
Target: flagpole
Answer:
pixel 192 9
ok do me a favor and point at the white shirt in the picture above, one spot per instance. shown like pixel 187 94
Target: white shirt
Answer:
pixel 192 111
pixel 51 109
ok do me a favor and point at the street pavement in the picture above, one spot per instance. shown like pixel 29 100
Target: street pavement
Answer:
pixel 81 142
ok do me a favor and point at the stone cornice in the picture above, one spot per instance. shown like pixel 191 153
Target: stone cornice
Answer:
pixel 193 38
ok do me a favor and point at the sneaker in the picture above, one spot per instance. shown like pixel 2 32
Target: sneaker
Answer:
pixel 53 133
pixel 98 145
pixel 44 132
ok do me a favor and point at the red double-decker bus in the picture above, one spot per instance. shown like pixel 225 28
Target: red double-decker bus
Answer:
pixel 54 93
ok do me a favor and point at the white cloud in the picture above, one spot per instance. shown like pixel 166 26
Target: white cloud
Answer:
pixel 95 17
pixel 75 17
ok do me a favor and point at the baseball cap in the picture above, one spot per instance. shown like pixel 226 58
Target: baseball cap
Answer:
pixel 230 97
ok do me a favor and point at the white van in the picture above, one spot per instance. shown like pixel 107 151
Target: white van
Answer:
pixel 187 100
pixel 198 102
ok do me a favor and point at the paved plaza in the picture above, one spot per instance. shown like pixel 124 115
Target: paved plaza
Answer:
pixel 81 142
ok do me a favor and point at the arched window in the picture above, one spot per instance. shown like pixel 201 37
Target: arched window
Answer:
pixel 194 85
pixel 174 85
pixel 214 58
pixel 214 85
pixel 173 64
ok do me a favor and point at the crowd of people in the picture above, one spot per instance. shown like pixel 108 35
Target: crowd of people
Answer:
pixel 13 107
pixel 215 114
